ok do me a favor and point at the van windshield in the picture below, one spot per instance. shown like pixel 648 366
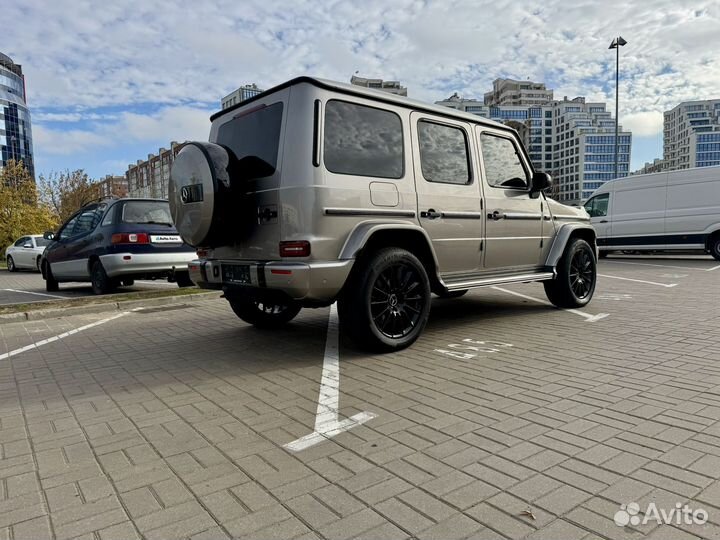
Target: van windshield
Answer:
pixel 254 133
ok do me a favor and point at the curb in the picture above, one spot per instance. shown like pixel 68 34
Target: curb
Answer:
pixel 125 305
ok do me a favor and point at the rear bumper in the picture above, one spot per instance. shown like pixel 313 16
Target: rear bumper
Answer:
pixel 316 281
pixel 129 264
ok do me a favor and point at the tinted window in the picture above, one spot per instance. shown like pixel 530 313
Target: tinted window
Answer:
pixel 22 241
pixel 147 212
pixel 67 230
pixel 254 134
pixel 86 221
pixel 598 206
pixel 362 141
pixel 41 242
pixel 443 153
pixel 503 167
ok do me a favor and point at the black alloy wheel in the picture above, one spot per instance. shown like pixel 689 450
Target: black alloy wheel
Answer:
pixel 386 302
pixel 582 273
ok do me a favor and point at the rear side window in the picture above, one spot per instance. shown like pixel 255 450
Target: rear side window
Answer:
pixel 255 133
pixel 598 206
pixel 362 141
pixel 503 167
pixel 86 221
pixel 443 153
pixel 147 212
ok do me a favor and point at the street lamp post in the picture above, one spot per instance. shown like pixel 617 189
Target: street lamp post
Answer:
pixel 616 44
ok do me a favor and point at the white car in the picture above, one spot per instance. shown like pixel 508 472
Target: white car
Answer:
pixel 25 253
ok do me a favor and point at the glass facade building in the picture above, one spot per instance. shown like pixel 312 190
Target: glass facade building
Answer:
pixel 15 130
pixel 691 135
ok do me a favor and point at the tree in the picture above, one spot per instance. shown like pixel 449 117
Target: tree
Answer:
pixel 21 211
pixel 67 192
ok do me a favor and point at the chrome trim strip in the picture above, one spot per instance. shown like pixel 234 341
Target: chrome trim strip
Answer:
pixel 522 215
pixel 538 276
pixel 368 212
pixel 572 218
pixel 462 215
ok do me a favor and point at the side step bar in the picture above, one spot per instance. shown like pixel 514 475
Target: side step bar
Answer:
pixel 485 282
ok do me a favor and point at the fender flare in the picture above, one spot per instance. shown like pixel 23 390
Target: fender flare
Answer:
pixel 364 230
pixel 562 236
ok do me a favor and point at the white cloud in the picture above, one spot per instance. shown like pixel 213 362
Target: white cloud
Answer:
pixel 643 124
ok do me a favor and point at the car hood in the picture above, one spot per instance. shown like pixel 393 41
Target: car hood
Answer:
pixel 559 209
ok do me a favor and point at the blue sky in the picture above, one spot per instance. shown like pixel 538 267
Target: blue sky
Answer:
pixel 110 82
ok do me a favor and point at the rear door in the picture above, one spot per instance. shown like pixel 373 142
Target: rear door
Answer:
pixel 448 191
pixel 513 219
pixel 81 244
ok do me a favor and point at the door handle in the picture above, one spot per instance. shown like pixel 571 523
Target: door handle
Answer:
pixel 431 214
pixel 604 221
pixel 496 215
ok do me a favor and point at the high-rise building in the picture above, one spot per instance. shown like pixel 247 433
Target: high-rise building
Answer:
pixel 240 95
pixel 151 177
pixel 15 131
pixel 394 87
pixel 691 135
pixel 511 92
pixel 571 139
pixel 112 186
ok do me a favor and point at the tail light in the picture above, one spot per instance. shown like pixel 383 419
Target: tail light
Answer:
pixel 295 249
pixel 130 238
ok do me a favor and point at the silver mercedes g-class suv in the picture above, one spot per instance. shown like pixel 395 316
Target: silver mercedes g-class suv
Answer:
pixel 316 191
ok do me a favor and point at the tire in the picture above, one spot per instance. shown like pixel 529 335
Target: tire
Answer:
pixel 128 282
pixel 183 280
pixel 576 276
pixel 453 294
pixel 51 284
pixel 714 247
pixel 101 283
pixel 11 264
pixel 263 315
pixel 386 302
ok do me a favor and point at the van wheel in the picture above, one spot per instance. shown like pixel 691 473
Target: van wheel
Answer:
pixel 714 248
pixel 576 276
pixel 51 284
pixel 263 314
pixel 101 283
pixel 387 301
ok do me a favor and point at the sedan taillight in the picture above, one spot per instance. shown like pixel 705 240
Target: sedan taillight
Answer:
pixel 130 238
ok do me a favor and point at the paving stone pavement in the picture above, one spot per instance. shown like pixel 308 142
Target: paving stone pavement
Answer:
pixel 171 423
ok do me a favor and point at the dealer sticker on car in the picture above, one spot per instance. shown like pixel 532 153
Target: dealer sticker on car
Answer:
pixel 165 239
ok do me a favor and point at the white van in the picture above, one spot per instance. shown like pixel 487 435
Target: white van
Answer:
pixel 676 210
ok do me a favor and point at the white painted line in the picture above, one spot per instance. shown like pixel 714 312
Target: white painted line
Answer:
pixel 327 423
pixel 587 316
pixel 30 292
pixel 40 343
pixel 640 281
pixel 656 265
pixel 156 282
pixel 713 268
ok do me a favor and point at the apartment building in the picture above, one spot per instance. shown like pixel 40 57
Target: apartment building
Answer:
pixel 691 135
pixel 512 92
pixel 241 94
pixel 394 87
pixel 151 177
pixel 112 186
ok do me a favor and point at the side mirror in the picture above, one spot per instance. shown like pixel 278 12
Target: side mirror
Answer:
pixel 540 182
pixel 49 235
pixel 27 245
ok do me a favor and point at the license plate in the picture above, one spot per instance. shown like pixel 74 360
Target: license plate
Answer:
pixel 236 273
pixel 165 239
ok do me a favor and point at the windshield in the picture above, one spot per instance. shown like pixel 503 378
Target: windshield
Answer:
pixel 153 212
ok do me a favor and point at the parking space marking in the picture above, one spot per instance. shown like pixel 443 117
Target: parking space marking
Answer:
pixel 587 316
pixel 713 268
pixel 30 292
pixel 657 265
pixel 327 423
pixel 668 285
pixel 42 342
